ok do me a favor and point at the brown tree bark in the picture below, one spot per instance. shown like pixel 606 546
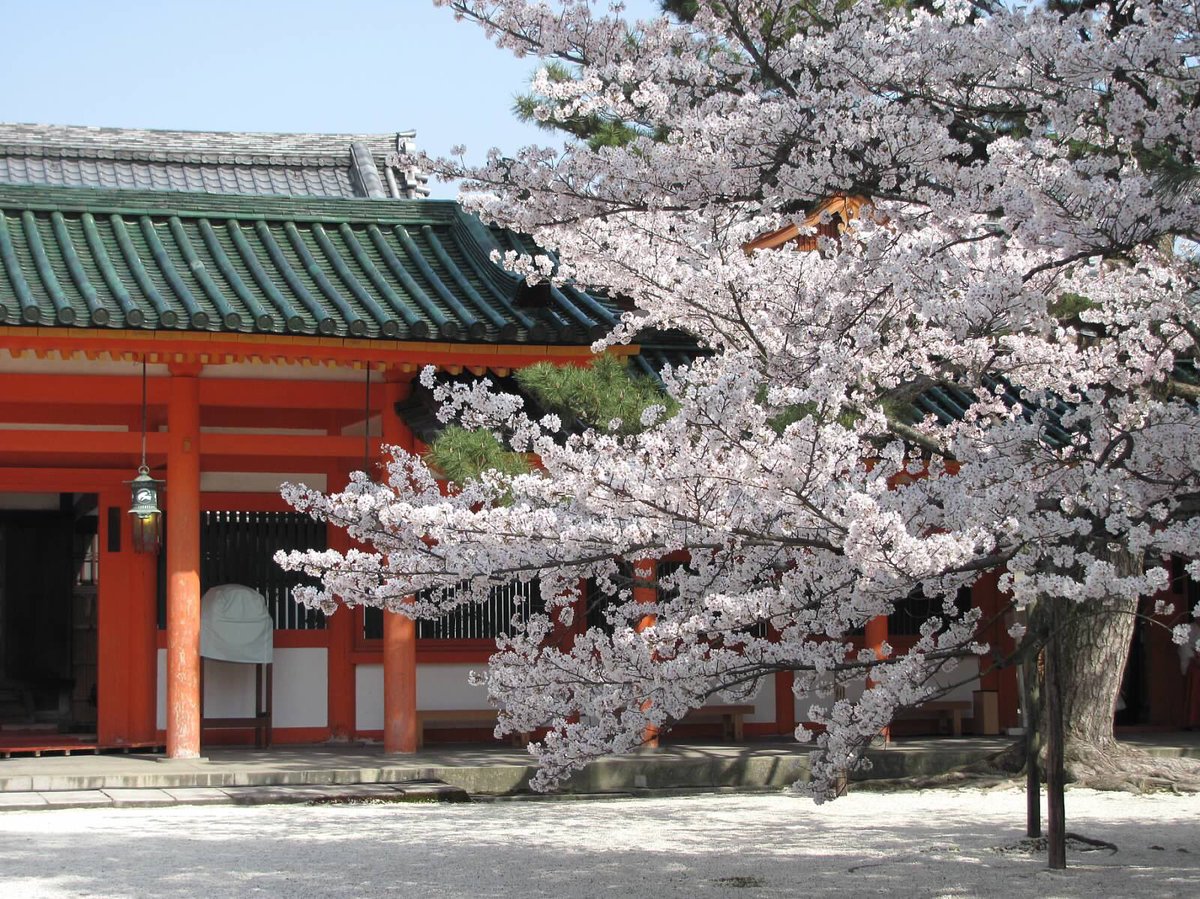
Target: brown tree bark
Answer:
pixel 1095 639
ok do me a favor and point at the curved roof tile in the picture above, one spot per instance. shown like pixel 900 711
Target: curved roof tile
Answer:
pixel 407 270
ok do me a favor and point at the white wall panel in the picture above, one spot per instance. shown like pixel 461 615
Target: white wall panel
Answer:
pixel 228 689
pixel 763 701
pixel 967 670
pixel 368 697
pixel 301 682
pixel 438 687
pixel 447 687
pixel 160 716
pixel 257 482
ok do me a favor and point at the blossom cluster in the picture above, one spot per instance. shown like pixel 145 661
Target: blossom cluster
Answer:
pixel 1027 172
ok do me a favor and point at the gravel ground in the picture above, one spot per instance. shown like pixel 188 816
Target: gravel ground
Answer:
pixel 933 843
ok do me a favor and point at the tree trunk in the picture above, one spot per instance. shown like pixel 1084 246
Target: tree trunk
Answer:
pixel 1095 638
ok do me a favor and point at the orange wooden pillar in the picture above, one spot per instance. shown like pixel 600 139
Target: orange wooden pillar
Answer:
pixel 645 590
pixel 339 632
pixel 875 637
pixel 400 727
pixel 985 593
pixel 126 645
pixel 183 563
pixel 785 696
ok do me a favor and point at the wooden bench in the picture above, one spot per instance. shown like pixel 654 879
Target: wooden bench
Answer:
pixel 462 718
pixel 729 716
pixel 942 710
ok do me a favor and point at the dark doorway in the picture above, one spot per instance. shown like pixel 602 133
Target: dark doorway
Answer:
pixel 48 580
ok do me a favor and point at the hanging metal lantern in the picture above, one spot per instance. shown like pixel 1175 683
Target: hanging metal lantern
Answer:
pixel 147 516
pixel 145 491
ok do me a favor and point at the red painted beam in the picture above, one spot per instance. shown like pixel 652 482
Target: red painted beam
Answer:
pixel 57 443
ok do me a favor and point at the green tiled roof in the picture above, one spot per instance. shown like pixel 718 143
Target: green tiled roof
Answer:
pixel 404 270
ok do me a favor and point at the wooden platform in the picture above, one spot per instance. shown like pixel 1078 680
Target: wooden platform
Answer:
pixel 39 745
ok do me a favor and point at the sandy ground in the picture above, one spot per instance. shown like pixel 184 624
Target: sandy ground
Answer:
pixel 933 843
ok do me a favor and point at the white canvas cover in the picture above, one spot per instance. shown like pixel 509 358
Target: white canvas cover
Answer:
pixel 235 625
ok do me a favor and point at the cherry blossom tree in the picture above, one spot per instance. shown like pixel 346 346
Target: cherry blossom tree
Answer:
pixel 1030 171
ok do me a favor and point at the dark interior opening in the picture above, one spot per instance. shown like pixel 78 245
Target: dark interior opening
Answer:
pixel 49 575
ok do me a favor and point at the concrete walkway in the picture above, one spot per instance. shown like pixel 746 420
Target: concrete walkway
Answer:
pixel 355 773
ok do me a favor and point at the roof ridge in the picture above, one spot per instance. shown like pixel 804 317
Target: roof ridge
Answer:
pixel 260 163
pixel 269 143
pixel 191 204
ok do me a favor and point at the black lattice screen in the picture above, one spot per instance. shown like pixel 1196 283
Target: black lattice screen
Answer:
pixel 238 548
pixel 480 621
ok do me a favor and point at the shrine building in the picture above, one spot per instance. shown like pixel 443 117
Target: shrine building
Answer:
pixel 233 311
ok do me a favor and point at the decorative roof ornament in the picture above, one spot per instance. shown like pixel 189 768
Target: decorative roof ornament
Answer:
pixel 404 179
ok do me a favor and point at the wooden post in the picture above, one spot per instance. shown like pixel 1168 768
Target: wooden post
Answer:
pixel 645 590
pixel 183 564
pixel 1056 825
pixel 401 731
pixel 875 636
pixel 1032 722
pixel 339 632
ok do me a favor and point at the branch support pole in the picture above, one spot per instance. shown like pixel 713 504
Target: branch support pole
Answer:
pixel 1056 828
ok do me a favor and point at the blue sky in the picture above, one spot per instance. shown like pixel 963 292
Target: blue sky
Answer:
pixel 368 66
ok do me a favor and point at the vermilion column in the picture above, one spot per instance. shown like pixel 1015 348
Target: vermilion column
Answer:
pixel 400 729
pixel 339 634
pixel 785 696
pixel 645 590
pixel 183 564
pixel 876 636
pixel 399 683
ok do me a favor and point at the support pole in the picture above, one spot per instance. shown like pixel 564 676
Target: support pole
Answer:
pixel 1056 826
pixel 401 731
pixel 183 564
pixel 1033 747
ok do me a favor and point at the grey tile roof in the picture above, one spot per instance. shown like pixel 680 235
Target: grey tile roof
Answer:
pixel 254 163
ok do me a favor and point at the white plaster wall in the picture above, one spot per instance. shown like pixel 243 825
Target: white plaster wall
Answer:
pixel 447 687
pixel 368 697
pixel 853 691
pixel 256 482
pixel 161 705
pixel 228 689
pixel 301 682
pixel 254 371
pixel 763 701
pixel 300 688
pixel 41 502
pixel 53 426
pixel 438 687
pixel 967 670
pixel 90 367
